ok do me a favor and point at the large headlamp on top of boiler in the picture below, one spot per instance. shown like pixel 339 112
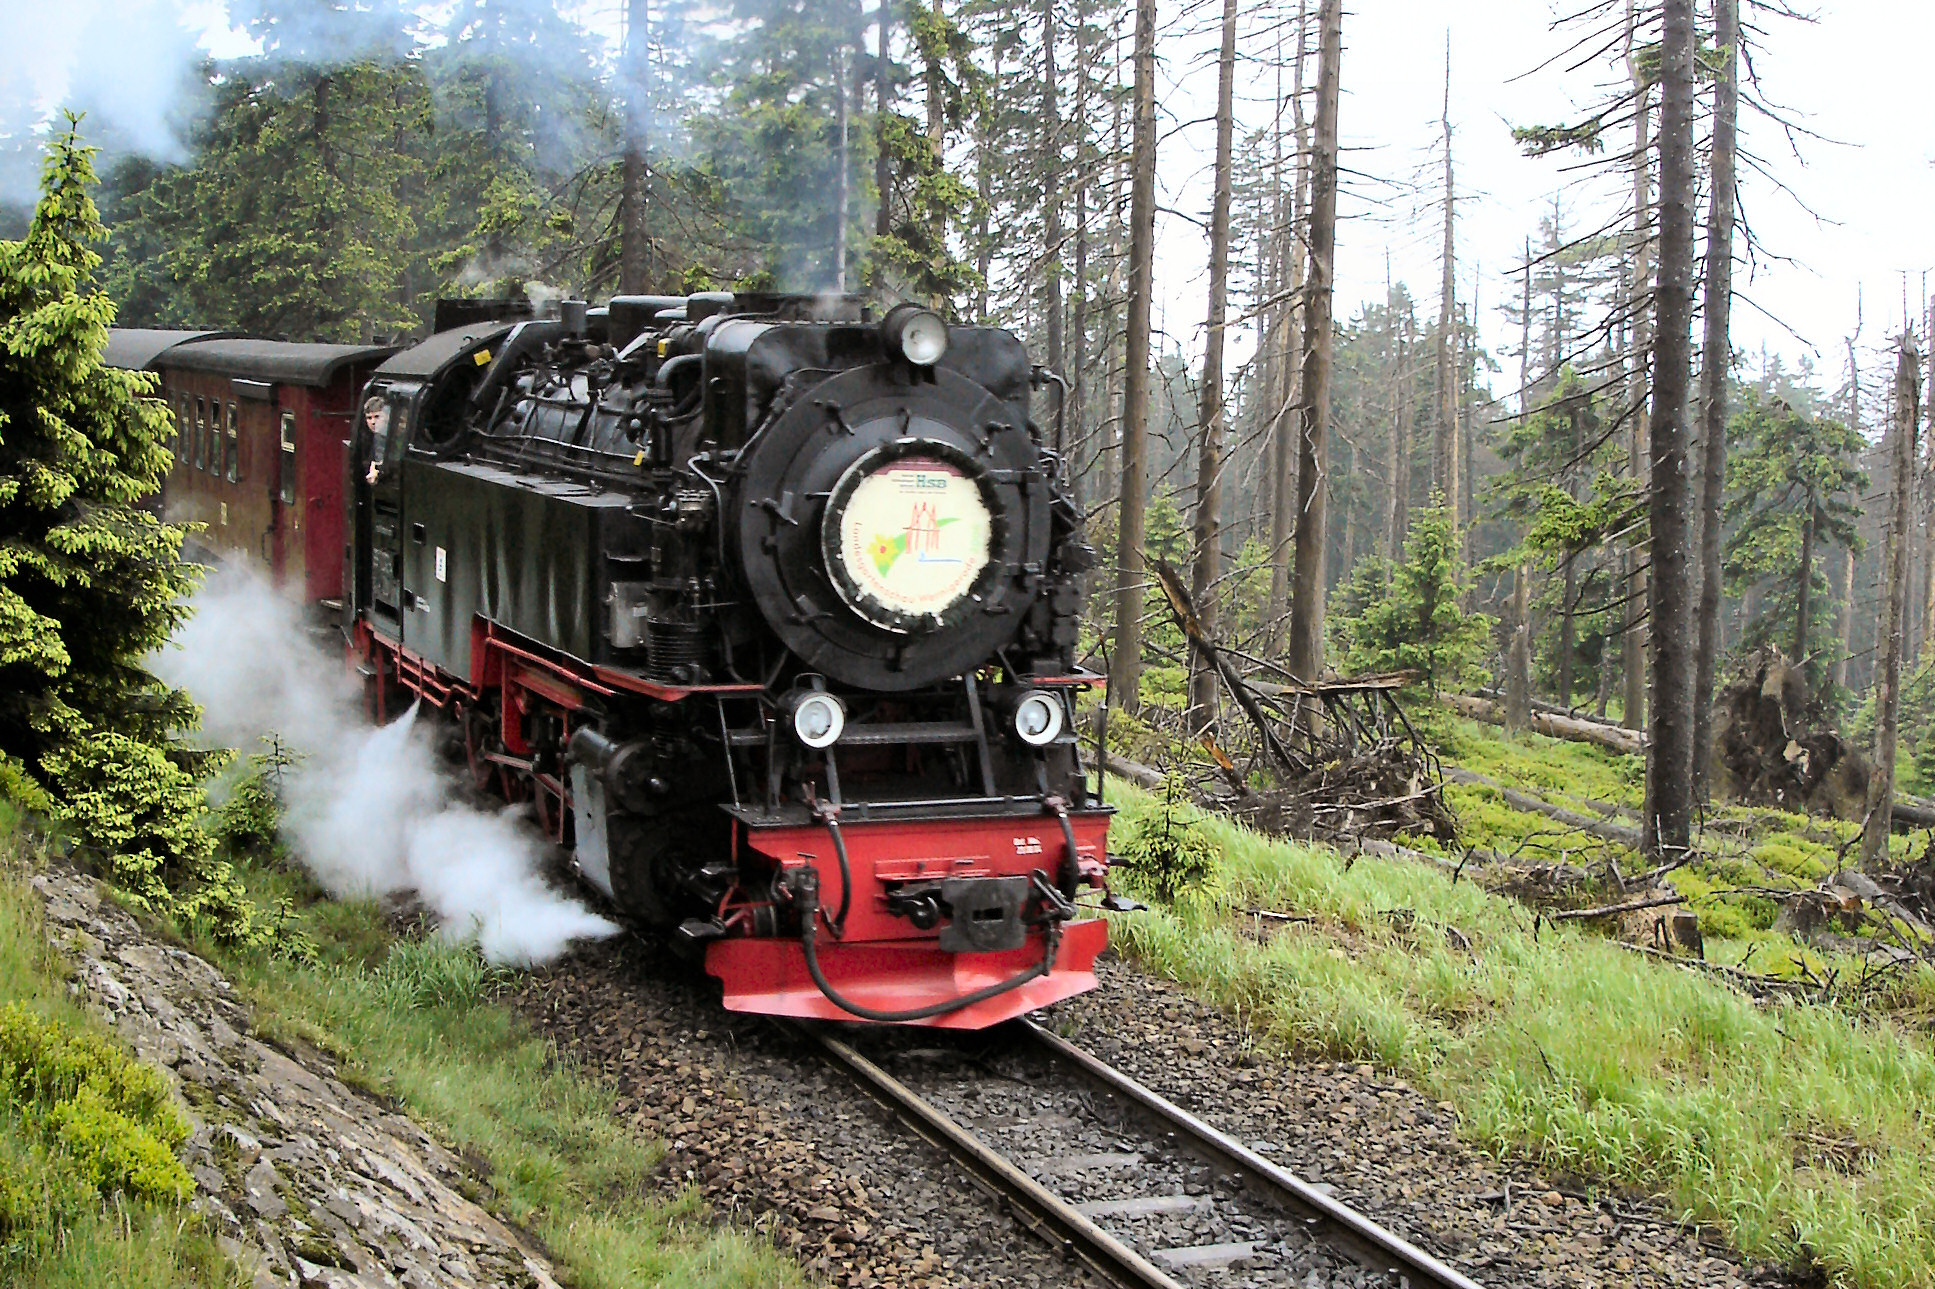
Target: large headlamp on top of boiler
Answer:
pixel 914 334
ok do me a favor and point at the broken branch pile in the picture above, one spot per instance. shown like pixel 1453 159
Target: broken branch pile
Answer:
pixel 1344 759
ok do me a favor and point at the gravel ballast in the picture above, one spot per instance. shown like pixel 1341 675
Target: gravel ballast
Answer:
pixel 1389 1151
pixel 769 1135
pixel 774 1138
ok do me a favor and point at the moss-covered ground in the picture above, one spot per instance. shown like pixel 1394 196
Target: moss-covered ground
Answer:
pixel 90 1193
pixel 1796 1121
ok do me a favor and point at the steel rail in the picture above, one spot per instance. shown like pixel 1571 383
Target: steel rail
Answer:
pixel 1047 1215
pixel 1342 1227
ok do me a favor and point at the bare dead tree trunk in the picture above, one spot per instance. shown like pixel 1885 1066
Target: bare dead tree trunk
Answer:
pixel 1125 667
pixel 1927 491
pixel 843 184
pixel 1525 338
pixel 1669 766
pixel 883 173
pixel 1400 516
pixel 1881 784
pixel 1397 461
pixel 1107 460
pixel 1444 443
pixel 1518 659
pixel 1078 370
pixel 634 178
pixel 1844 631
pixel 1928 500
pixel 1847 582
pixel 1209 458
pixel 1307 588
pixel 1051 215
pixel 1633 697
pixel 1269 365
pixel 1716 359
pixel 1285 421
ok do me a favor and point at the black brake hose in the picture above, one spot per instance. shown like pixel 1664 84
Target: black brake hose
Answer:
pixel 838 923
pixel 1042 968
pixel 809 932
pixel 1071 873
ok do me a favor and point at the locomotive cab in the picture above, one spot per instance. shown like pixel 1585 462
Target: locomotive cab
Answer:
pixel 769 608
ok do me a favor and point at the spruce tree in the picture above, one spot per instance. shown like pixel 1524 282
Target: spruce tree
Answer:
pixel 92 582
pixel 1794 483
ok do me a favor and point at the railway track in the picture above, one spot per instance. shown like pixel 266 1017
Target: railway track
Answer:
pixel 1120 1179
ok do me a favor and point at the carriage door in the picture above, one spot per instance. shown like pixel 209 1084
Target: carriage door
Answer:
pixel 287 553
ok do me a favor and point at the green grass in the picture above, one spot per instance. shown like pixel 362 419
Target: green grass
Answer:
pixel 414 1019
pixel 1798 1128
pixel 84 1133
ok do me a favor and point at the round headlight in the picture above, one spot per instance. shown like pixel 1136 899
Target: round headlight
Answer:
pixel 818 719
pixel 1038 719
pixel 916 334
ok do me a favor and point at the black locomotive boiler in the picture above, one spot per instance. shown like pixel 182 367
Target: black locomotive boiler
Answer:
pixel 769 608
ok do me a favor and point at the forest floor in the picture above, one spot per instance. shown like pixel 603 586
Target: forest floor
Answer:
pixel 1785 1104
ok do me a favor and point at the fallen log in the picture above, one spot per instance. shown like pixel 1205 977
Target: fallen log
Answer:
pixel 1552 709
pixel 1609 910
pixel 1605 828
pixel 1134 771
pixel 1611 737
pixel 1914 812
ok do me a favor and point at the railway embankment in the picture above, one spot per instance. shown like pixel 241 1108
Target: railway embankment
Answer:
pixel 303 1178
pixel 356 1108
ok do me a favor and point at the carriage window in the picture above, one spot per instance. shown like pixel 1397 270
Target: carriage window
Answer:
pixel 287 487
pixel 234 446
pixel 201 433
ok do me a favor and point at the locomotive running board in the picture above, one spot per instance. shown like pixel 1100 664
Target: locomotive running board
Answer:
pixel 770 976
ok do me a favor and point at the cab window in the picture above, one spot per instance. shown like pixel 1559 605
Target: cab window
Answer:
pixel 376 424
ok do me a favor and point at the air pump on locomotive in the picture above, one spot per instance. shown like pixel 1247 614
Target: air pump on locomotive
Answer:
pixel 770 609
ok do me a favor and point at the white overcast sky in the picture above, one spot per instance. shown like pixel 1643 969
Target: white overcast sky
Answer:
pixel 1856 75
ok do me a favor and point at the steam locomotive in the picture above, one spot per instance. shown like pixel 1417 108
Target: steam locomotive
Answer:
pixel 768 607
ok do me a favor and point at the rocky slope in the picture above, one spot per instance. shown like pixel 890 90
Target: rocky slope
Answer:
pixel 311 1183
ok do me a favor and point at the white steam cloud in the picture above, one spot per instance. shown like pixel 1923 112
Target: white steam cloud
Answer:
pixel 369 810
